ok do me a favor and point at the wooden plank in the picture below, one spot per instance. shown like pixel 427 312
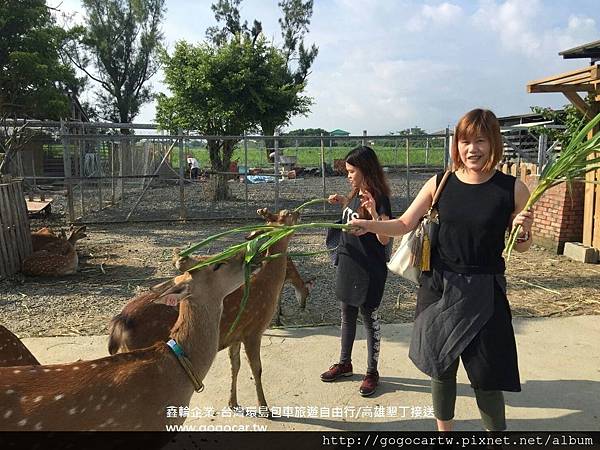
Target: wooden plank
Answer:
pixel 4 260
pixel 596 231
pixel 24 222
pixel 590 202
pixel 579 103
pixel 514 169
pixel 10 234
pixel 561 75
pixel 577 78
pixel 16 200
pixel 583 87
pixel 37 206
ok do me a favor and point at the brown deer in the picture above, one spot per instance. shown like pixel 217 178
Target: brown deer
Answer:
pixel 129 391
pixel 142 323
pixel 53 255
pixel 13 352
pixel 45 236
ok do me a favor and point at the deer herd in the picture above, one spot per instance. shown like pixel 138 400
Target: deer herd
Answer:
pixel 144 375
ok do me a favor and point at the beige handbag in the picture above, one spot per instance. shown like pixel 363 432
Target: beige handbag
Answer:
pixel 414 252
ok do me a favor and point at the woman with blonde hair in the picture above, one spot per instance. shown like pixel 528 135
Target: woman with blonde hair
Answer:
pixel 462 311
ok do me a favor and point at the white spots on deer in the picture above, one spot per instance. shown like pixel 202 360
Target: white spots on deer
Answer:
pixel 16 371
pixel 9 392
pixel 8 413
pixel 38 399
pixel 72 411
pixel 59 396
pixel 38 426
pixel 75 367
pixel 22 422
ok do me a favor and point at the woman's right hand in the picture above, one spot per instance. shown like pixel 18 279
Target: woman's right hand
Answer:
pixel 336 199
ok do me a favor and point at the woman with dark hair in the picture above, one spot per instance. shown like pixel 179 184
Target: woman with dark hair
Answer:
pixel 361 268
pixel 462 310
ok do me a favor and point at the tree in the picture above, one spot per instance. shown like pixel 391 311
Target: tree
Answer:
pixel 118 48
pixel 282 99
pixel 216 90
pixel 569 116
pixel 34 82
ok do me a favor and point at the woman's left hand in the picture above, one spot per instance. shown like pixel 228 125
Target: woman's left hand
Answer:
pixel 525 219
pixel 368 202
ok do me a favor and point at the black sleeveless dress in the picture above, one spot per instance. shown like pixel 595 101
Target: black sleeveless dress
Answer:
pixel 462 309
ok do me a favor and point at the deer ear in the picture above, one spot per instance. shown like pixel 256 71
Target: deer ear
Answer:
pixel 174 295
pixel 169 300
pixel 162 287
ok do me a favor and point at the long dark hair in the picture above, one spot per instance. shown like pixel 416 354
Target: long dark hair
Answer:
pixel 365 159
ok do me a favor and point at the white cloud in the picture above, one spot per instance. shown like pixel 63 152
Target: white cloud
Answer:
pixel 514 21
pixel 442 14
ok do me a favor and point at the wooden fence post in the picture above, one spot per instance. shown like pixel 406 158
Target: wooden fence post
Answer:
pixel 15 236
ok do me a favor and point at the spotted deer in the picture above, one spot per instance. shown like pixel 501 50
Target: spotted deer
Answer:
pixel 13 352
pixel 128 391
pixel 142 322
pixel 53 255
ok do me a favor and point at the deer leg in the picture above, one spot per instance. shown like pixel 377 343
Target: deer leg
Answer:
pixel 234 359
pixel 301 288
pixel 252 348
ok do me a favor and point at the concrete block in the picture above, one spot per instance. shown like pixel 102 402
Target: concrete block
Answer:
pixel 579 252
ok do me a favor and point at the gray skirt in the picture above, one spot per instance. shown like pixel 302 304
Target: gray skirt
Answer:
pixel 466 316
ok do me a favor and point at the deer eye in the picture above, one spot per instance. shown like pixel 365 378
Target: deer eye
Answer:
pixel 217 266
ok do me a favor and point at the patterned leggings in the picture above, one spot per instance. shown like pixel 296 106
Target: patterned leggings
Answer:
pixel 372 329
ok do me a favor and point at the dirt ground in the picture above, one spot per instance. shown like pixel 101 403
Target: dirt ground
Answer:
pixel 117 261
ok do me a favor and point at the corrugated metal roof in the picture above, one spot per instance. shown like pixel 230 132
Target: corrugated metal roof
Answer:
pixel 589 50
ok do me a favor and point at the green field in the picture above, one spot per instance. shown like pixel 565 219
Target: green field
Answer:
pixel 306 156
pixel 311 156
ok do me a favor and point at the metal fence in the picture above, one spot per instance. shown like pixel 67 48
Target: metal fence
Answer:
pixel 110 174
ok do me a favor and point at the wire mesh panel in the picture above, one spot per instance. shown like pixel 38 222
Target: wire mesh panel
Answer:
pixel 109 176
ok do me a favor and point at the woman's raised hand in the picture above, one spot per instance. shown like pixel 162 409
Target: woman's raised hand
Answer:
pixel 368 202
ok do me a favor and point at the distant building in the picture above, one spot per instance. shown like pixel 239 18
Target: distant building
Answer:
pixel 339 132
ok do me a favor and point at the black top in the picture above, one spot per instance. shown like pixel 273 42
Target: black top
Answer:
pixel 473 222
pixel 361 270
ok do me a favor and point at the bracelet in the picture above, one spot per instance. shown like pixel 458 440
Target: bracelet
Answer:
pixel 523 238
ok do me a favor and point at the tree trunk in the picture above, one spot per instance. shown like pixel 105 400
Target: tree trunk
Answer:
pixel 220 157
pixel 269 130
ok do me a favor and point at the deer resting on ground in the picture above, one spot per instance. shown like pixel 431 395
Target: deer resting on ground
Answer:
pixel 143 322
pixel 129 391
pixel 53 255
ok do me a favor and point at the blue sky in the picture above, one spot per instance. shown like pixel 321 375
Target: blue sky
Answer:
pixel 386 65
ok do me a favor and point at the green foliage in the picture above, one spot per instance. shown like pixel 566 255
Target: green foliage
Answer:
pixel 569 116
pixel 281 97
pixel 118 48
pixel 578 156
pixel 303 142
pixel 33 79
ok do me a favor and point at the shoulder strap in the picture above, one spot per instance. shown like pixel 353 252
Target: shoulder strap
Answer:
pixel 439 188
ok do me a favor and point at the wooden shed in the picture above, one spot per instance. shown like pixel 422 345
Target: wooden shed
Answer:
pixel 587 81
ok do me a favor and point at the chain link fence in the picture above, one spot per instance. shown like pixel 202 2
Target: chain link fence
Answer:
pixel 112 173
